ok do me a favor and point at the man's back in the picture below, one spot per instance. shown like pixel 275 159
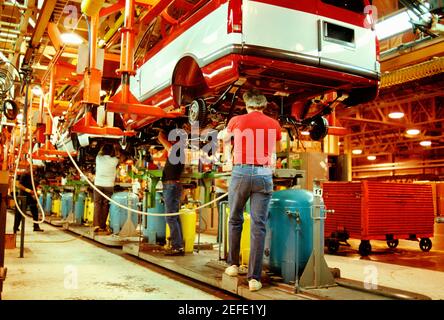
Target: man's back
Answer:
pixel 255 136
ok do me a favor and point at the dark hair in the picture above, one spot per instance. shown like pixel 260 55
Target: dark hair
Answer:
pixel 255 99
pixel 107 150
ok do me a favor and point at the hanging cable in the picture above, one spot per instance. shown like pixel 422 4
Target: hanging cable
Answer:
pixel 112 200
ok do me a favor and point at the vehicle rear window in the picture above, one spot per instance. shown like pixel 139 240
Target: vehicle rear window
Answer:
pixel 352 5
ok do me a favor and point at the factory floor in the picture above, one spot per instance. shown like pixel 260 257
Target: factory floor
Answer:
pixel 59 265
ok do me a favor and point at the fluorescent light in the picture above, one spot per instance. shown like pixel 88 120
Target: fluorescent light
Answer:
pixel 426 143
pixel 357 151
pixel 71 38
pixel 37 91
pixel 3 57
pixel 396 115
pixel 396 24
pixel 32 22
pixel 305 133
pixel 371 158
pixel 413 132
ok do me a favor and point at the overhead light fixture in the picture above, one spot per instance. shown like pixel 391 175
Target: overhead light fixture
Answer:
pixel 393 25
pixel 398 23
pixel 413 132
pixel 426 143
pixel 31 22
pixel 396 115
pixel 3 57
pixel 71 38
pixel 371 158
pixel 37 91
pixel 357 151
pixel 305 133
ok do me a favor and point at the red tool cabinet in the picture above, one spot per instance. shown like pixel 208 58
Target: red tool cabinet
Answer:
pixel 371 210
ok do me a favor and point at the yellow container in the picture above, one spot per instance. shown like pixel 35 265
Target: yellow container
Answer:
pixel 56 207
pixel 188 224
pixel 88 214
pixel 245 238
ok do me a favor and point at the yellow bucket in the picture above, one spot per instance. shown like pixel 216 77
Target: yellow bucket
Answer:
pixel 188 226
pixel 245 238
pixel 56 207
pixel 88 214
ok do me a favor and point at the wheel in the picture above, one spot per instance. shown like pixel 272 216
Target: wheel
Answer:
pixel 198 112
pixel 425 244
pixel 365 248
pixel 319 128
pixel 10 109
pixel 333 246
pixel 392 243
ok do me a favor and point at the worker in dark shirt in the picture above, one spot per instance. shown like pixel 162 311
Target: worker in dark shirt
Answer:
pixel 25 186
pixel 172 189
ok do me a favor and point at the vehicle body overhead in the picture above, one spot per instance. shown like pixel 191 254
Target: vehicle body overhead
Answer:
pixel 292 49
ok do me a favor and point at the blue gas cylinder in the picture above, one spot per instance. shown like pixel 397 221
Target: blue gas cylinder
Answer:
pixel 153 227
pixel 67 204
pixel 118 215
pixel 289 239
pixel 48 203
pixel 79 207
pixel 41 200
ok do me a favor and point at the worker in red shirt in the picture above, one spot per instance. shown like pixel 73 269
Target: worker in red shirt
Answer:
pixel 255 136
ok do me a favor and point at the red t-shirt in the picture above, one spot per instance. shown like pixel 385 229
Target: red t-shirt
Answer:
pixel 255 136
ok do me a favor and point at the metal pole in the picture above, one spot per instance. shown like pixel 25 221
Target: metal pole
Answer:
pixel 224 228
pixel 4 178
pixel 298 229
pixel 22 204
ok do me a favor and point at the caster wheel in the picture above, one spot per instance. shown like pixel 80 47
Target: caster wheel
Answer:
pixel 392 243
pixel 425 244
pixel 365 248
pixel 198 112
pixel 333 246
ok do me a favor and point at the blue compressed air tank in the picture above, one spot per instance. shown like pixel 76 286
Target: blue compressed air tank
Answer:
pixel 48 203
pixel 41 198
pixel 153 227
pixel 288 244
pixel 79 207
pixel 118 215
pixel 67 204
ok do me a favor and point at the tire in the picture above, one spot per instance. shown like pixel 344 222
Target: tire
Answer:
pixel 333 246
pixel 392 243
pixel 319 129
pixel 360 96
pixel 10 109
pixel 365 248
pixel 198 112
pixel 425 244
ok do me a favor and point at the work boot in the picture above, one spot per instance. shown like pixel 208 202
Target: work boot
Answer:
pixel 175 252
pixel 254 285
pixel 37 229
pixel 232 271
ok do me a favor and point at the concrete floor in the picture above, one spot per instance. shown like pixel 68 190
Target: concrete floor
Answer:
pixel 58 265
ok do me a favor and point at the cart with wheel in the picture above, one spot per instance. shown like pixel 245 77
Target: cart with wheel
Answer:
pixel 371 210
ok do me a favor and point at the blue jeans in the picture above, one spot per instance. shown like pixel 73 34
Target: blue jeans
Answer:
pixel 171 194
pixel 255 183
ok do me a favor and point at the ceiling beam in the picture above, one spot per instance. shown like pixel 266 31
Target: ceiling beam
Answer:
pixel 39 30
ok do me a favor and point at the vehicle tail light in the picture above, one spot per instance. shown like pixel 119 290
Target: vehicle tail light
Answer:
pixel 234 24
